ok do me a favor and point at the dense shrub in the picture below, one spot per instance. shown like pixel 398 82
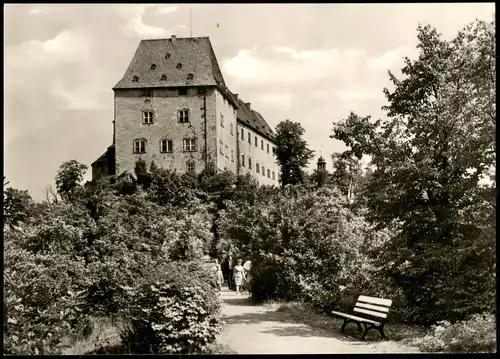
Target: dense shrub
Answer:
pixel 43 300
pixel 174 310
pixel 304 244
pixel 477 334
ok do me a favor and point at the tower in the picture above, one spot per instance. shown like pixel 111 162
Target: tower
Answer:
pixel 321 171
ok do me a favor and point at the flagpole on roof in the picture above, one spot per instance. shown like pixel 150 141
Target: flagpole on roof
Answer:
pixel 191 22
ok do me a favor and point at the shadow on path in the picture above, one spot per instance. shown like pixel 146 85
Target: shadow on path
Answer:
pixel 282 324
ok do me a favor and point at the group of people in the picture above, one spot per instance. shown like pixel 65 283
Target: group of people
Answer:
pixel 238 276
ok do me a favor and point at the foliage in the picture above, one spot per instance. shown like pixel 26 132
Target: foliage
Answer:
pixel 170 188
pixel 94 245
pixel 68 178
pixel 42 301
pixel 304 244
pixel 347 174
pixel 172 311
pixel 443 254
pixel 292 152
pixel 16 206
pixel 476 334
pixel 144 178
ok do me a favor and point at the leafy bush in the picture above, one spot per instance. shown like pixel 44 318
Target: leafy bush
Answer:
pixel 43 299
pixel 305 244
pixel 477 334
pixel 174 310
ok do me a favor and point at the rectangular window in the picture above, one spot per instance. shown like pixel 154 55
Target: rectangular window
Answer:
pixel 232 156
pixel 249 138
pixel 274 150
pixel 166 146
pixel 147 117
pixel 201 91
pixel 268 148
pixel 226 153
pixel 221 120
pixel 257 169
pixel 256 140
pixel 231 129
pixel 261 144
pixel 263 171
pixel 221 146
pixel 183 115
pixel 273 175
pixel 249 163
pixel 139 146
pixel 189 144
pixel 190 166
pixel 146 93
pixel 182 91
pixel 268 173
pixel 242 135
pixel 243 160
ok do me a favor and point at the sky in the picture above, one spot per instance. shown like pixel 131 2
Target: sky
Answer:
pixel 309 63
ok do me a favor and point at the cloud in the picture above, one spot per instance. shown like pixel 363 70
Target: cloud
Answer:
pixel 38 11
pixel 248 67
pixel 83 97
pixel 390 59
pixel 136 27
pixel 282 101
pixel 167 9
pixel 67 46
pixel 350 74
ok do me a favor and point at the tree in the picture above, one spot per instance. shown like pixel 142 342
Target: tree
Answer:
pixel 292 152
pixel 346 174
pixel 16 205
pixel 143 177
pixel 428 158
pixel 68 178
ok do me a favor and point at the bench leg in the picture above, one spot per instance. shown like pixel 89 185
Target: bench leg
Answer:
pixel 347 321
pixel 367 328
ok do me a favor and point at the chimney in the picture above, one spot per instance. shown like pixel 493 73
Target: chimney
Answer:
pixel 236 95
pixel 249 104
pixel 173 39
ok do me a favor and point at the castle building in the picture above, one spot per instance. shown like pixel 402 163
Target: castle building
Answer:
pixel 173 107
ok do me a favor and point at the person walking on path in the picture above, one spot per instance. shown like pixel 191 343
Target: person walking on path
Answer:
pixel 220 277
pixel 248 277
pixel 230 282
pixel 239 276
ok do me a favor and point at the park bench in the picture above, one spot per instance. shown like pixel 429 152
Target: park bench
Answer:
pixel 376 308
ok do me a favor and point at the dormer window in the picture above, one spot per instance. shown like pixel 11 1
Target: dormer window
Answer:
pixel 179 66
pixel 153 67
pixel 163 78
pixel 190 77
pixel 167 56
pixel 135 79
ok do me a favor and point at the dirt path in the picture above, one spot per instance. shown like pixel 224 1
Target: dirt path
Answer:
pixel 259 330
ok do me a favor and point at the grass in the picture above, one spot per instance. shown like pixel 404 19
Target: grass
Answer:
pixel 306 314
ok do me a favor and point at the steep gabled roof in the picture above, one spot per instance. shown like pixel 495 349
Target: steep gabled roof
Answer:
pixel 156 64
pixel 155 58
pixel 254 120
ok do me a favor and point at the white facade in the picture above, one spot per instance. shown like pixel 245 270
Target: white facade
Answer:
pixel 256 156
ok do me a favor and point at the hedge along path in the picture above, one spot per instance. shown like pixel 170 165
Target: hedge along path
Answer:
pixel 259 330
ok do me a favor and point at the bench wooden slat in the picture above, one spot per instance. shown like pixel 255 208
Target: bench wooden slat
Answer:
pixel 373 307
pixel 364 320
pixel 370 312
pixel 373 300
